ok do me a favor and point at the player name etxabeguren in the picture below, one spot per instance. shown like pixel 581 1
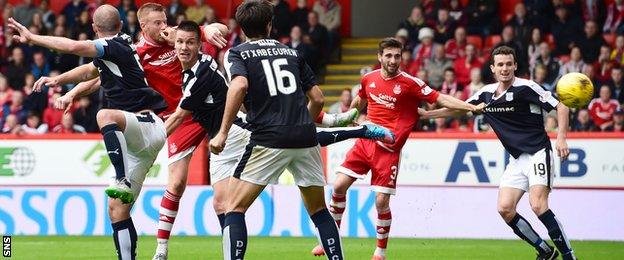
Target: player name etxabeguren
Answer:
pixel 268 52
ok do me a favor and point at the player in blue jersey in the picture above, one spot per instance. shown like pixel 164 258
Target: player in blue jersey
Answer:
pixel 515 110
pixel 132 132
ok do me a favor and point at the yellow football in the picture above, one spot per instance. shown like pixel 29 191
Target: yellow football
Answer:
pixel 575 90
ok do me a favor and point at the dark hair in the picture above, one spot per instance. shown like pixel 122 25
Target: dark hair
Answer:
pixel 503 50
pixel 190 26
pixel 389 43
pixel 449 69
pixel 254 16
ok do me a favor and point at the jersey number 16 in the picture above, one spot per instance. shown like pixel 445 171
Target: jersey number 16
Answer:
pixel 280 77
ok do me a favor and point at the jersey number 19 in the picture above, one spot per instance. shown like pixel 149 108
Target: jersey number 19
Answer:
pixel 277 83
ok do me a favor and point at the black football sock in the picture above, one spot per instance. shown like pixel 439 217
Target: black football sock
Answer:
pixel 524 230
pixel 221 221
pixel 125 237
pixel 555 231
pixel 116 147
pixel 234 236
pixel 328 234
pixel 327 136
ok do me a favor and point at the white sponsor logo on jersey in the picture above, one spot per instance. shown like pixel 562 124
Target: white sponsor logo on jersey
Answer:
pixel 164 58
pixel 384 100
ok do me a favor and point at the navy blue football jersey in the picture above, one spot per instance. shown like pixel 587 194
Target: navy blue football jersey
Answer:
pixel 517 115
pixel 122 77
pixel 276 103
pixel 204 93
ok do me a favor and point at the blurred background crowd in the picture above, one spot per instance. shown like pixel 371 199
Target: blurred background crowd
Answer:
pixel 447 44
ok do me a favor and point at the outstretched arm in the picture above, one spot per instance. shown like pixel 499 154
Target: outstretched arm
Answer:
pixel 60 44
pixel 442 112
pixel 85 72
pixel 359 103
pixel 316 101
pixel 82 89
pixel 563 118
pixel 176 119
pixel 234 100
pixel 456 104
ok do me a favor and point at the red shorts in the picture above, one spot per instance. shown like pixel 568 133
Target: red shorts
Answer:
pixel 367 155
pixel 184 139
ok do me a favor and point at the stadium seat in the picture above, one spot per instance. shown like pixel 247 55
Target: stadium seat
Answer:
pixel 610 39
pixel 492 40
pixel 564 58
pixel 475 40
pixel 550 39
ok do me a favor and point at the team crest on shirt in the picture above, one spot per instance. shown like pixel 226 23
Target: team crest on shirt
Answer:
pixel 509 96
pixel 397 89
pixel 173 148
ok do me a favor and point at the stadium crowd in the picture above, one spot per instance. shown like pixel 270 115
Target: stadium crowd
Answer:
pixel 447 44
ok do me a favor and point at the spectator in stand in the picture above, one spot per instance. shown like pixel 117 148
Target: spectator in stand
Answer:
pixel 565 29
pixel 602 109
pixel 424 51
pixel 175 8
pixel 47 15
pixel 455 47
pixel 281 19
pixel 549 61
pixel 508 39
pixel 16 107
pixel 132 27
pixel 33 125
pixel 17 69
pixel 24 13
pixel 456 11
pixel 67 126
pixel 617 55
pixel 6 93
pixel 299 16
pixel 482 17
pixel 407 64
pixel 11 125
pixel 593 11
pixel 575 64
pixel 618 121
pixel 61 20
pixel 616 84
pixel 590 42
pixel 52 116
pixel 583 122
pixel 451 87
pixel 436 66
pixel 318 36
pixel 604 64
pixel 92 6
pixel 84 114
pixel 443 26
pixel 83 25
pixel 615 13
pixel 40 66
pixel 402 36
pixel 196 12
pixel 71 12
pixel 521 23
pixel 180 18
pixel 124 7
pixel 464 65
pixel 533 47
pixel 475 82
pixel 329 15
pixel 413 24
pixel 37 21
pixel 540 12
pixel 540 76
pixel 343 104
pixel 305 50
pixel 589 72
pixel 551 124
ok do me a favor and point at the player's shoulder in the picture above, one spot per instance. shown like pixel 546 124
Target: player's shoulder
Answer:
pixel 614 102
pixel 521 83
pixel 411 80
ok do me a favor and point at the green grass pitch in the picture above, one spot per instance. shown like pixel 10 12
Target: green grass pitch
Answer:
pixel 76 247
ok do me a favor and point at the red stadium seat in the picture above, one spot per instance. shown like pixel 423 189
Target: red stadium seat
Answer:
pixel 550 39
pixel 475 40
pixel 492 40
pixel 610 39
pixel 564 58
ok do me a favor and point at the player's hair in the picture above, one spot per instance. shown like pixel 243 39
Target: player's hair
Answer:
pixel 106 18
pixel 254 16
pixel 503 50
pixel 149 7
pixel 389 42
pixel 190 26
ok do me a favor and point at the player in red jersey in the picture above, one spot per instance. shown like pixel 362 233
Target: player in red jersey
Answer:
pixel 393 98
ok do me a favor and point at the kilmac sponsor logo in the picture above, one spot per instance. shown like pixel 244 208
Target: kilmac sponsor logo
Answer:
pixel 499 109
pixel 16 161
pixel 384 99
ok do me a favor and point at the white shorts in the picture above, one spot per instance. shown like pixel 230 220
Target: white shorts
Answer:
pixel 145 135
pixel 529 170
pixel 222 165
pixel 262 165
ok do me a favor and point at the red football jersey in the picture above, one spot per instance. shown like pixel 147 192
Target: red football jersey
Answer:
pixel 393 102
pixel 163 70
pixel 602 113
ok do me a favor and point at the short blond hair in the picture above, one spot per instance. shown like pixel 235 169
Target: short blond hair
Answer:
pixel 149 7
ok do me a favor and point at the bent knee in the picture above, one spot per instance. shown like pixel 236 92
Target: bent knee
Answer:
pixel 507 211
